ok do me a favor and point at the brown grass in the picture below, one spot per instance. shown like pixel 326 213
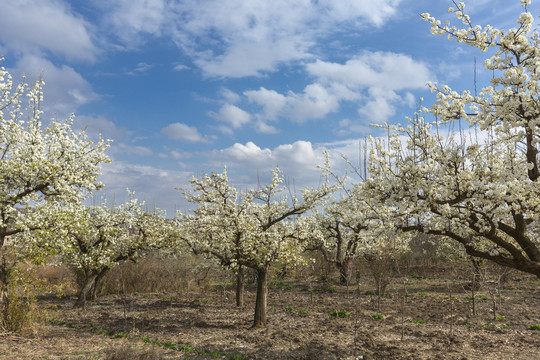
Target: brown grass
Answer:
pixel 127 352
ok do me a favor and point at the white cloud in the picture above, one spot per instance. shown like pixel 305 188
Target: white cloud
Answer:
pixel 180 155
pixel 384 70
pixel 96 126
pixel 348 127
pixel 230 96
pixel 180 67
pixel 373 12
pixel 251 58
pixel 298 160
pixel 179 131
pixel 232 115
pixel 377 110
pixel 141 67
pixel 34 26
pixel 271 101
pixel 131 149
pixel 132 18
pixel 373 80
pixel 237 38
pixel 65 89
pixel 150 183
pixel 315 102
pixel 263 128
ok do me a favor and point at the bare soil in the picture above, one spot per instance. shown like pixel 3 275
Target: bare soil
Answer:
pixel 434 321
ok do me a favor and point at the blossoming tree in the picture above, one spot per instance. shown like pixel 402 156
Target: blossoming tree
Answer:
pixel 38 163
pixel 93 240
pixel 252 229
pixel 341 224
pixel 478 186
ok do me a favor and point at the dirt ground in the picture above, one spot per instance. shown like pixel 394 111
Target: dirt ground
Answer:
pixel 434 321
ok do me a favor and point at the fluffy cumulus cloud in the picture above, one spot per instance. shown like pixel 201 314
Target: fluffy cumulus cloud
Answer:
pixel 298 160
pixel 384 70
pixel 37 26
pixel 381 76
pixel 65 89
pixel 377 81
pixel 180 131
pixel 232 116
pixel 315 102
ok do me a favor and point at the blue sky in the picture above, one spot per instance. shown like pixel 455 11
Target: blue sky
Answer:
pixel 183 87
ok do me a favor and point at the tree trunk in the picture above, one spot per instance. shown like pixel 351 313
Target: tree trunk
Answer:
pixel 85 291
pixel 3 285
pixel 7 266
pixel 345 268
pixel 4 296
pixel 92 294
pixel 260 302
pixel 240 287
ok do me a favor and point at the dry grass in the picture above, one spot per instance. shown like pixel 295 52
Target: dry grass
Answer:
pixel 158 272
pixel 126 352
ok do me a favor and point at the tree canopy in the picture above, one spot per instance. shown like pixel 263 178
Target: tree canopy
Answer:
pixel 479 184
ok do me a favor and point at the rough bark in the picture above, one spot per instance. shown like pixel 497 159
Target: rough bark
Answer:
pixel 240 287
pixel 92 295
pixel 260 301
pixel 85 291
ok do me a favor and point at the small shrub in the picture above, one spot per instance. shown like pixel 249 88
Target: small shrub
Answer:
pixel 303 312
pixel 339 313
pixel 535 327
pixel 207 301
pixel 237 357
pixel 169 345
pixel 332 290
pixel 98 330
pixel 377 316
pixel 500 318
pixel 289 309
pixel 369 292
pixel 196 300
pixel 423 294
pixel 119 335
pixel 20 313
pixel 414 321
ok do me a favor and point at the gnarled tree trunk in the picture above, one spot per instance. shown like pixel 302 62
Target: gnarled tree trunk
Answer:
pixel 90 286
pixel 85 290
pixel 97 282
